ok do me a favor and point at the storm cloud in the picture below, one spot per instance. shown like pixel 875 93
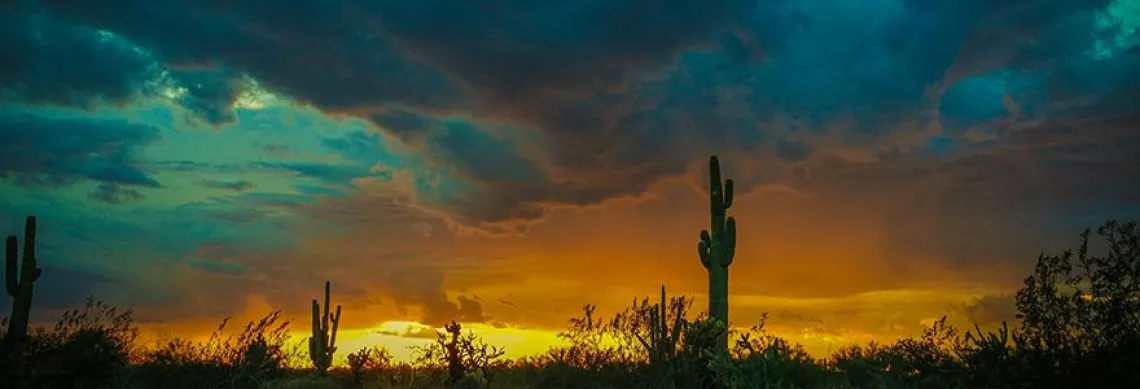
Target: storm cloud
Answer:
pixel 51 152
pixel 947 126
pixel 612 97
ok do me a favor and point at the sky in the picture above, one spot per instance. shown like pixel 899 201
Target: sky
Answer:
pixel 504 163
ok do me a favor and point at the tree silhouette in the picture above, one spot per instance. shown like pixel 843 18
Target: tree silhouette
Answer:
pixel 1080 313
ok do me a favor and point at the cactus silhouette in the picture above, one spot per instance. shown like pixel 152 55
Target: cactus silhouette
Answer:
pixel 718 248
pixel 19 280
pixel 322 345
pixel 455 367
pixel 663 334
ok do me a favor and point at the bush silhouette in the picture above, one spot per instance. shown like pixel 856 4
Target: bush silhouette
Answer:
pixel 464 357
pixel 1080 313
pixel 89 347
pixel 256 355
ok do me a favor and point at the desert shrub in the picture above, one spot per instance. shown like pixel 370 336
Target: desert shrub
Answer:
pixel 704 367
pixel 587 347
pixel 89 347
pixel 762 360
pixel 929 361
pixel 303 383
pixel 253 356
pixel 989 359
pixel 598 353
pixel 368 362
pixel 464 356
pixel 651 335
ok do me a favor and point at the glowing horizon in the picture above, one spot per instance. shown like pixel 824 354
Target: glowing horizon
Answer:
pixel 398 336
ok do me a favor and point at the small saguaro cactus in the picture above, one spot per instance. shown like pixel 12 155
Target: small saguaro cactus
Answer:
pixel 718 248
pixel 322 345
pixel 19 280
pixel 455 367
pixel 664 335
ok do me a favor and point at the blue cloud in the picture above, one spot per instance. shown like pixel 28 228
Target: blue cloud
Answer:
pixel 404 124
pixel 238 185
pixel 40 150
pixel 48 61
pixel 974 100
pixel 360 146
pixel 330 173
pixel 114 194
pixel 210 94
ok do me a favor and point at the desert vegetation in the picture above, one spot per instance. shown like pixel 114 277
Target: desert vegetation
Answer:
pixel 1078 327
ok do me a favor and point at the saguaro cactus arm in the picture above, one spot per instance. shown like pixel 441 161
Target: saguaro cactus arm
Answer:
pixel 315 340
pixel 704 249
pixel 15 273
pixel 718 247
pixel 729 245
pixel 11 266
pixel 720 193
pixel 332 336
pixel 19 282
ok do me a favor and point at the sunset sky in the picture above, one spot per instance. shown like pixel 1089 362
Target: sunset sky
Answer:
pixel 503 163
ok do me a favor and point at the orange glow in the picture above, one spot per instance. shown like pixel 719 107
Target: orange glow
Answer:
pixel 865 322
pixel 827 271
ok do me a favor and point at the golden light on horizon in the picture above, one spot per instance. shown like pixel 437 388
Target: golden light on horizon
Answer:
pixel 820 325
pixel 400 338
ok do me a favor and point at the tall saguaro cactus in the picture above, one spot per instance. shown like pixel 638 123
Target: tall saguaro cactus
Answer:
pixel 322 345
pixel 19 280
pixel 718 248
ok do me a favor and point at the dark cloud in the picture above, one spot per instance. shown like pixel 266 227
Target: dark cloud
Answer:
pixel 407 126
pixel 372 54
pixel 412 332
pixel 46 61
pixel 516 51
pixel 238 216
pixel 237 186
pixel 424 287
pixel 281 48
pixel 609 98
pixel 168 263
pixel 114 194
pixel 1020 33
pixel 358 146
pixel 185 166
pixel 210 93
pixel 972 207
pixel 61 289
pixel 330 173
pixel 46 151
